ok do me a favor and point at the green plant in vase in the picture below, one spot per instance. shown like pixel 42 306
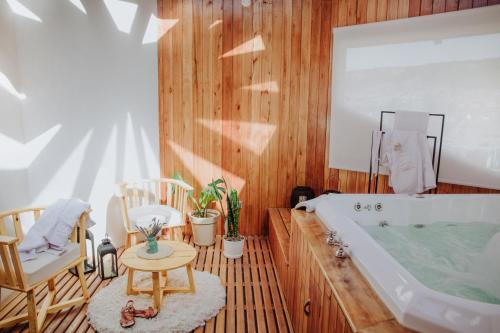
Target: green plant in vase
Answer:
pixel 150 233
pixel 233 241
pixel 203 219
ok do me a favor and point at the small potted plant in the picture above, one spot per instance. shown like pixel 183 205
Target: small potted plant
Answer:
pixel 233 241
pixel 204 220
pixel 150 233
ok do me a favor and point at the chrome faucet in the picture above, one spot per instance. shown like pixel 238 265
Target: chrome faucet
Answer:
pixel 330 237
pixel 341 253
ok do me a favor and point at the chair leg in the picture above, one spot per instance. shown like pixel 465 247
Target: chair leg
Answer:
pixel 129 240
pixel 31 304
pixel 83 282
pixel 176 233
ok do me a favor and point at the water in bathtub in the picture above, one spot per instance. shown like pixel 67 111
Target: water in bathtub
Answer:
pixel 460 259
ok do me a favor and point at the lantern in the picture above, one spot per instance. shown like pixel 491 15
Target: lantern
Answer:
pixel 88 267
pixel 108 259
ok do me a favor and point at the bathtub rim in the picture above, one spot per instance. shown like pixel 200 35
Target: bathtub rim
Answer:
pixel 405 312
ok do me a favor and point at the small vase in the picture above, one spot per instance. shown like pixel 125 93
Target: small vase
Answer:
pixel 152 245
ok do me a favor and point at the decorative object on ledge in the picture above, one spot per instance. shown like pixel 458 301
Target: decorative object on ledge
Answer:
pixel 108 259
pixel 88 266
pixel 301 193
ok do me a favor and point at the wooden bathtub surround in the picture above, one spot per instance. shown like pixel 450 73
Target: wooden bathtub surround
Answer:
pixel 12 275
pixel 279 242
pixel 328 294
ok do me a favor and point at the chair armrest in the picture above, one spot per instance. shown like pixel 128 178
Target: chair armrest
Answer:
pixel 7 240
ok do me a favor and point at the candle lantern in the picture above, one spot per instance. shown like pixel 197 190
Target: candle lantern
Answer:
pixel 108 259
pixel 88 265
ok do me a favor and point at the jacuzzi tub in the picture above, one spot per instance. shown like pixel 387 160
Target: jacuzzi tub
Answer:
pixel 413 304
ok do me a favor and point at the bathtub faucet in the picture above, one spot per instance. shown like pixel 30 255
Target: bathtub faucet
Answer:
pixel 341 253
pixel 330 237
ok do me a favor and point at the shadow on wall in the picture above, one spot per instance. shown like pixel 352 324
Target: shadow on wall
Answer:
pixel 95 77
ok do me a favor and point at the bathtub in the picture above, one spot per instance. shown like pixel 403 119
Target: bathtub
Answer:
pixel 413 304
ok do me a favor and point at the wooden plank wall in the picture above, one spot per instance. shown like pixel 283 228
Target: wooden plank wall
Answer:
pixel 245 93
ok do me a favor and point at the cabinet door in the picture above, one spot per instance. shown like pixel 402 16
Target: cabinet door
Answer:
pixel 298 279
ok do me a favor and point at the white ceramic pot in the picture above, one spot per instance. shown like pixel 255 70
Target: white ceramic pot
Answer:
pixel 234 249
pixel 204 228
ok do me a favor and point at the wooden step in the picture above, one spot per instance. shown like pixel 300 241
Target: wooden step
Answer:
pixel 279 241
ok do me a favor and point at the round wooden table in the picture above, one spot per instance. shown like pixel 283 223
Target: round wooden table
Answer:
pixel 183 256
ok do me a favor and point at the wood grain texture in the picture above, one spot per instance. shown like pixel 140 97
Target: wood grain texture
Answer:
pixel 254 298
pixel 338 295
pixel 245 94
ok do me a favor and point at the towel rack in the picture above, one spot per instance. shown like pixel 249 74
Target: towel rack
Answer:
pixel 436 166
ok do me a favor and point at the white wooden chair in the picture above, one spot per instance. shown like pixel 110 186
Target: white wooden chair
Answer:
pixel 164 198
pixel 26 276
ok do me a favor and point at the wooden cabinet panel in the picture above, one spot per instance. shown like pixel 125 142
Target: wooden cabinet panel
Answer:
pixel 326 294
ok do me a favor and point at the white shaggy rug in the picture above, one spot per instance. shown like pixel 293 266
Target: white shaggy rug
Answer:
pixel 179 312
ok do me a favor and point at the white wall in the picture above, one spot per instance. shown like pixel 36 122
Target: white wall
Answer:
pixel 91 99
pixel 13 185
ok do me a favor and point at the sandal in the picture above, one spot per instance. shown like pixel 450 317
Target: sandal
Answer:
pixel 148 314
pixel 127 315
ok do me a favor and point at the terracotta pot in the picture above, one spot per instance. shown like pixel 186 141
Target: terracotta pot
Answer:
pixel 204 228
pixel 234 249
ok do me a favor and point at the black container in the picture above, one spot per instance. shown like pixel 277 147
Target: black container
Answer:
pixel 301 193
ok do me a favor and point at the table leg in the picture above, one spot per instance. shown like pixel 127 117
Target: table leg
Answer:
pixel 189 270
pixel 130 282
pixel 164 278
pixel 157 292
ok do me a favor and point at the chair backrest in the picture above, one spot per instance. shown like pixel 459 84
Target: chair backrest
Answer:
pixel 163 191
pixel 11 271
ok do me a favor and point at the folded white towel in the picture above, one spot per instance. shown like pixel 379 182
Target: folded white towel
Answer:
pixel 407 155
pixel 411 121
pixel 53 228
pixel 310 205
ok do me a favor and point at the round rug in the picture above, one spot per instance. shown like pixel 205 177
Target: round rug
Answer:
pixel 179 312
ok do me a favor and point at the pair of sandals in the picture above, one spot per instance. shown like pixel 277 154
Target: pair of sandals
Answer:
pixel 129 313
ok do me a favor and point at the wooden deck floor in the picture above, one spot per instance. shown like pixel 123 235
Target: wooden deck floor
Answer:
pixel 254 300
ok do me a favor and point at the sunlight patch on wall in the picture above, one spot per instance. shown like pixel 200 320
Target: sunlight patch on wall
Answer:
pixel 253 45
pixel 78 4
pixel 150 154
pixel 7 85
pixel 21 10
pixel 215 23
pixel 188 157
pixel 104 183
pixel 122 13
pixel 131 168
pixel 62 184
pixel 157 28
pixel 270 86
pixel 15 155
pixel 253 136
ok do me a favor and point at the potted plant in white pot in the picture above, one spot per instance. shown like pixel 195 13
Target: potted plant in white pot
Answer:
pixel 204 220
pixel 233 241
